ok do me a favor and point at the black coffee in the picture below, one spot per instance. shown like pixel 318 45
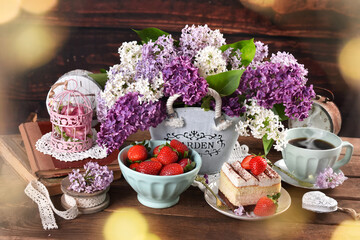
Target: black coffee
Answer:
pixel 311 143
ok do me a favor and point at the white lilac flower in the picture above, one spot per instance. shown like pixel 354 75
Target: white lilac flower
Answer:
pixel 260 122
pixel 122 82
pixel 329 179
pixel 116 85
pixel 210 61
pixel 130 55
pixel 195 38
pixel 148 91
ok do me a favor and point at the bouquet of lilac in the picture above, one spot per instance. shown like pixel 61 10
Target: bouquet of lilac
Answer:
pixel 264 91
pixel 95 178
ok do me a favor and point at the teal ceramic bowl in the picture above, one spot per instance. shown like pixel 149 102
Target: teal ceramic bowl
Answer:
pixel 158 191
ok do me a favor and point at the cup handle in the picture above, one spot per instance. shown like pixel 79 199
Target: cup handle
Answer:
pixel 347 157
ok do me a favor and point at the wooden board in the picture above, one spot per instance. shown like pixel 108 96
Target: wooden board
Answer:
pixel 191 213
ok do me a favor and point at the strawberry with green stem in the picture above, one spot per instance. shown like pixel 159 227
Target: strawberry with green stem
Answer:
pixel 187 164
pixel 167 155
pixel 267 206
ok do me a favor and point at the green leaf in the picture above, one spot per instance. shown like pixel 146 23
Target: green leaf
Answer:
pixel 206 103
pixel 148 34
pixel 100 78
pixel 102 70
pixel 246 47
pixel 267 144
pixel 225 83
pixel 189 167
pixel 279 109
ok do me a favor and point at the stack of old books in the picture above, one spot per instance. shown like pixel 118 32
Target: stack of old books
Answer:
pixel 47 169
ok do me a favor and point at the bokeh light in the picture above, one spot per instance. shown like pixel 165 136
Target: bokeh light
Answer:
pixel 127 223
pixel 38 6
pixel 347 230
pixel 34 45
pixel 9 9
pixel 349 62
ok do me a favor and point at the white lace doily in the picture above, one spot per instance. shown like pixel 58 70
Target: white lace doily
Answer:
pixel 239 152
pixel 43 145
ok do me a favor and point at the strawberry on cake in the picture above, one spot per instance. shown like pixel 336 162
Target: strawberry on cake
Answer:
pixel 244 183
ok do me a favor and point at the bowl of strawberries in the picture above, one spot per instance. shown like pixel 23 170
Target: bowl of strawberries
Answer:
pixel 159 171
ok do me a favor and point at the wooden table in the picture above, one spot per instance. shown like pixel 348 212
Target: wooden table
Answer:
pixel 191 218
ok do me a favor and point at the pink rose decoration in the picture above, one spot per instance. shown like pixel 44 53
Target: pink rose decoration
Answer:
pixel 78 132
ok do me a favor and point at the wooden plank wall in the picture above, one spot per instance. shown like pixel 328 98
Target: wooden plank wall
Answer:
pixel 90 31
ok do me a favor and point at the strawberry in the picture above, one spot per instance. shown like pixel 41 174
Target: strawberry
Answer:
pixel 154 159
pixel 182 149
pixel 267 206
pixel 137 153
pixel 187 164
pixel 171 169
pixel 149 167
pixel 257 165
pixel 245 162
pixel 133 166
pixel 167 155
pixel 156 150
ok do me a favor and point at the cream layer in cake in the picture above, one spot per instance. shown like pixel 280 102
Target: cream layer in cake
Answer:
pixel 241 187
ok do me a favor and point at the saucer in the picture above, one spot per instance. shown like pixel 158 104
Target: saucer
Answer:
pixel 289 180
pixel 283 204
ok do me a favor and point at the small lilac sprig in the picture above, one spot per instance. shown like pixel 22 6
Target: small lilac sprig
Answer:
pixel 95 178
pixel 329 179
pixel 239 211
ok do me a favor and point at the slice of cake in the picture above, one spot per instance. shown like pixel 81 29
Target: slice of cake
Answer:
pixel 239 187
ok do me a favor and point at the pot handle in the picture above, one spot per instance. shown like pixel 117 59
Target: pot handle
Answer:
pixel 174 121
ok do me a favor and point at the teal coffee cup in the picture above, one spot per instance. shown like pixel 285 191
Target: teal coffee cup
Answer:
pixel 310 150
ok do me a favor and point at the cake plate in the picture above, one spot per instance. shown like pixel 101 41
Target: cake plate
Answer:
pixel 283 204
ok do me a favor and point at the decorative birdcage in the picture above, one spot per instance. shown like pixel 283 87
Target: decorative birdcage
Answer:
pixel 70 115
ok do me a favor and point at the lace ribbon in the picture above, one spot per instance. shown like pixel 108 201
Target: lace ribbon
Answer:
pixel 39 194
pixel 43 145
pixel 85 202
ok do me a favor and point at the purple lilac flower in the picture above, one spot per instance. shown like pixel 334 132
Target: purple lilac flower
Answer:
pixel 233 59
pixel 126 117
pixel 231 105
pixel 95 178
pixel 195 38
pixel 180 76
pixel 274 83
pixel 239 211
pixel 206 178
pixel 329 179
pixel 155 55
